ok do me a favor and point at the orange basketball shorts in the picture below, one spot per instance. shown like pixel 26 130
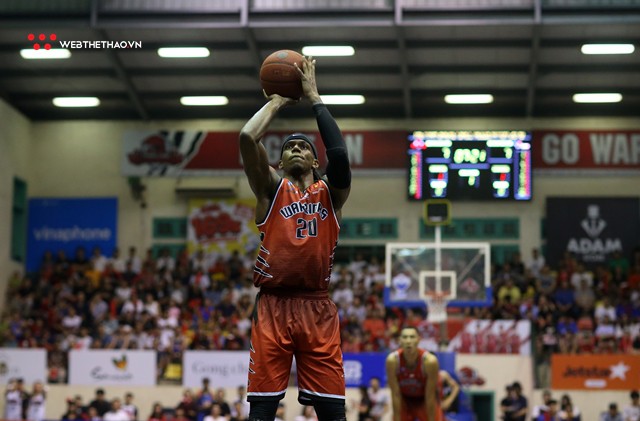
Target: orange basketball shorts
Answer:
pixel 304 325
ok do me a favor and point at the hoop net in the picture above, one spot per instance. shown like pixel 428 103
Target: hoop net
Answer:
pixel 437 306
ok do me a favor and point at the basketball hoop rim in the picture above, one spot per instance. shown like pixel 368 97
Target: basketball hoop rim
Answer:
pixel 442 295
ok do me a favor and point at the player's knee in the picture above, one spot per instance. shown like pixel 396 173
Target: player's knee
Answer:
pixel 330 410
pixel 263 410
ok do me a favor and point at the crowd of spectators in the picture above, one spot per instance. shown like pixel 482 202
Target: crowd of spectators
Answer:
pixel 574 310
pixel 515 407
pixel 205 302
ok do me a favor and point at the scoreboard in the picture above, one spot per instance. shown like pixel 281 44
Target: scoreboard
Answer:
pixel 469 165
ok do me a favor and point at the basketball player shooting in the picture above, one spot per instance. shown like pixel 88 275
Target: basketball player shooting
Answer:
pixel 412 374
pixel 298 218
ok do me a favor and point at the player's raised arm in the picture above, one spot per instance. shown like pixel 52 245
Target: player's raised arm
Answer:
pixel 431 368
pixel 338 170
pixel 394 387
pixel 455 389
pixel 263 179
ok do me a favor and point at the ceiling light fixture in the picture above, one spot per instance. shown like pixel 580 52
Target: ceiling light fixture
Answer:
pixel 204 100
pixel 183 52
pixel 328 50
pixel 597 98
pixel 607 49
pixel 42 54
pixel 81 101
pixel 469 99
pixel 342 99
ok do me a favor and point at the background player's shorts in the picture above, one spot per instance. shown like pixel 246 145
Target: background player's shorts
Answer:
pixel 303 324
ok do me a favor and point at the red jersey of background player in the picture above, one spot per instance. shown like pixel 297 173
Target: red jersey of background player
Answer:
pixel 411 380
pixel 298 227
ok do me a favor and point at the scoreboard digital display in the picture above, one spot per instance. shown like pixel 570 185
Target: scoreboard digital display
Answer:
pixel 470 165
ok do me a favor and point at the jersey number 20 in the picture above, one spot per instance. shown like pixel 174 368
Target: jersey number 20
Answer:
pixel 307 228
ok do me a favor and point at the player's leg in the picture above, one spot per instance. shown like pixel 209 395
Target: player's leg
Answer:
pixel 319 359
pixel 270 356
pixel 263 410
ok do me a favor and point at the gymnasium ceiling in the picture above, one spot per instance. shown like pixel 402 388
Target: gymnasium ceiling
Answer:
pixel 409 54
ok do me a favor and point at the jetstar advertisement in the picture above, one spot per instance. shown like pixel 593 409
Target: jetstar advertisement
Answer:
pixel 222 226
pixel 611 151
pixel 592 229
pixel 199 153
pixel 595 372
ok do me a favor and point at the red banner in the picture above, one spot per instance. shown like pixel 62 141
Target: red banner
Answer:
pixel 183 153
pixel 595 372
pixel 173 153
pixel 586 150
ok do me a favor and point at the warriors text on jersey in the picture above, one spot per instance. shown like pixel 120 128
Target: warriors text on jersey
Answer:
pixel 299 236
pixel 412 380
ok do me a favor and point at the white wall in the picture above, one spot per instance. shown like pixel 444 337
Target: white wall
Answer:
pixel 87 163
pixel 15 145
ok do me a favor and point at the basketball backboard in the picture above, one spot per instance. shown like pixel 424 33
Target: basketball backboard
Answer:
pixel 463 273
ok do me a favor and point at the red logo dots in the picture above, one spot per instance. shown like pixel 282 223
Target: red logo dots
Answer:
pixel 42 37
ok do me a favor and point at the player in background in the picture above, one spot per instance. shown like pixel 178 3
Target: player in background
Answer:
pixel 412 374
pixel 448 390
pixel 298 217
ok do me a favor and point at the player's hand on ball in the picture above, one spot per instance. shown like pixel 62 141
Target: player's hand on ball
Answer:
pixel 308 78
pixel 280 100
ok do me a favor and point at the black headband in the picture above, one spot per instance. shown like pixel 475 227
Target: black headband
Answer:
pixel 301 137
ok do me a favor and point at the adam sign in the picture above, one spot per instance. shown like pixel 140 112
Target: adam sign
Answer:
pixel 587 150
pixel 591 228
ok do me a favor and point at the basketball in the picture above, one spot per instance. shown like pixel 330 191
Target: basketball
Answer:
pixel 278 74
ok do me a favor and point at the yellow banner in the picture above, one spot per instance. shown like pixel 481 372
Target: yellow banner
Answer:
pixel 218 226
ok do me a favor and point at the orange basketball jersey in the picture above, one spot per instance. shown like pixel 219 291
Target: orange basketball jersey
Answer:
pixel 299 237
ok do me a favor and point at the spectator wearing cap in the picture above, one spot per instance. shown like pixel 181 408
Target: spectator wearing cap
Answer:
pixel 612 414
pixel 101 405
pixel 632 412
